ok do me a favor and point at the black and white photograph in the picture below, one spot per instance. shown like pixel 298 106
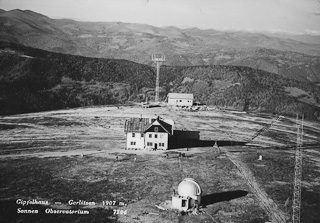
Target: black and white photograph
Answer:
pixel 160 111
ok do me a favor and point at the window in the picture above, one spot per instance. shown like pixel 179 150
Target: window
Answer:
pixel 161 144
pixel 180 100
pixel 133 143
pixel 156 129
pixel 141 134
pixel 155 136
pixel 133 134
pixel 149 143
pixel 150 135
pixel 161 136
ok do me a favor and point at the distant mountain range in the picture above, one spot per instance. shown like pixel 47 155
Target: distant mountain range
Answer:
pixel 58 63
pixel 291 56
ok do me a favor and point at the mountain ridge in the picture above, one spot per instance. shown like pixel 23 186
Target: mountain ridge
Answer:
pixel 37 80
pixel 136 42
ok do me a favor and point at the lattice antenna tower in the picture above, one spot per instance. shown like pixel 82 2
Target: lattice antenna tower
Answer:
pixel 296 206
pixel 158 59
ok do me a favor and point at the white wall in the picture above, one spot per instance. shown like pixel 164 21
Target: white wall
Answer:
pixel 177 203
pixel 138 139
pixel 180 102
pixel 162 138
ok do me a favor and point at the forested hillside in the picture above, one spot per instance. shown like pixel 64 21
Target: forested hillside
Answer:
pixel 246 89
pixel 36 80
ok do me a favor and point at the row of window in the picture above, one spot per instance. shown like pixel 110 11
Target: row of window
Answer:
pixel 156 136
pixel 151 144
pixel 150 135
pixel 134 134
pixel 148 144
pixel 181 101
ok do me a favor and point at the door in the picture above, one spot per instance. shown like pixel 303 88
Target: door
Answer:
pixel 183 203
pixel 155 146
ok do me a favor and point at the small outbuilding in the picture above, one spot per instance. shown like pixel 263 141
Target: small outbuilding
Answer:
pixel 189 195
pixel 180 99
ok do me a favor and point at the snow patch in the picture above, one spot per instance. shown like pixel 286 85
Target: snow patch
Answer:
pixel 26 56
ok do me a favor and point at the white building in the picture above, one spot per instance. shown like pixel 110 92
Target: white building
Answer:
pixel 179 99
pixel 134 129
pixel 144 133
pixel 189 195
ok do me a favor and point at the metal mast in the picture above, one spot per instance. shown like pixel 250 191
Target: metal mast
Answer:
pixel 158 60
pixel 266 127
pixel 297 173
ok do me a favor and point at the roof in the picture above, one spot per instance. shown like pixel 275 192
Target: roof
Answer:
pixel 166 126
pixel 136 125
pixel 180 96
pixel 141 125
pixel 189 188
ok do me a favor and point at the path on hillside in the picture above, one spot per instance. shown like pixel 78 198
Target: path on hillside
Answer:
pixel 265 202
pixel 276 215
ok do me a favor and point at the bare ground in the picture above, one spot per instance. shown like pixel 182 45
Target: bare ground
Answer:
pixel 90 138
pixel 275 214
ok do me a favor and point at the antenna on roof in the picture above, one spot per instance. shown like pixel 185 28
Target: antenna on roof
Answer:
pixel 158 60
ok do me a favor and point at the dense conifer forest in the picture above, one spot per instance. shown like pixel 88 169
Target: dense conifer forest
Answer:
pixel 36 80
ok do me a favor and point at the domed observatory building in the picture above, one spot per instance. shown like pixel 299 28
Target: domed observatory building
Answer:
pixel 189 195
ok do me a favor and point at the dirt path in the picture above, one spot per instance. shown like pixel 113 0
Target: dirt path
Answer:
pixel 275 214
pixel 265 202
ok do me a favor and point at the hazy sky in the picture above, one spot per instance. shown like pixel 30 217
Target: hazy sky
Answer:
pixel 297 16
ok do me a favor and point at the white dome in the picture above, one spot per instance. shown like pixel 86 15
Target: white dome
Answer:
pixel 189 188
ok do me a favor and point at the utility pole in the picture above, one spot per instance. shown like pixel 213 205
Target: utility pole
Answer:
pixel 296 206
pixel 266 127
pixel 158 60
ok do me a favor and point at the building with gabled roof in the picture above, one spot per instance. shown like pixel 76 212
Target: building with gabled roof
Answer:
pixel 180 99
pixel 134 129
pixel 144 133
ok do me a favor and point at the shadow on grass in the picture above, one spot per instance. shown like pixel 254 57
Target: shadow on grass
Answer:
pixel 223 196
pixel 188 139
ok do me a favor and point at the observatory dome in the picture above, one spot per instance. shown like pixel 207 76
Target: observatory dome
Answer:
pixel 189 188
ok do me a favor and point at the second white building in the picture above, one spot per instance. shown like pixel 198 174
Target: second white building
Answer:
pixel 179 99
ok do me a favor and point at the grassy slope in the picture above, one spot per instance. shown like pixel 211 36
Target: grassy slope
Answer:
pixel 98 179
pixel 278 183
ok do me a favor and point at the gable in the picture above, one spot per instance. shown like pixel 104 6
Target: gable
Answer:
pixel 161 125
pixel 156 128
